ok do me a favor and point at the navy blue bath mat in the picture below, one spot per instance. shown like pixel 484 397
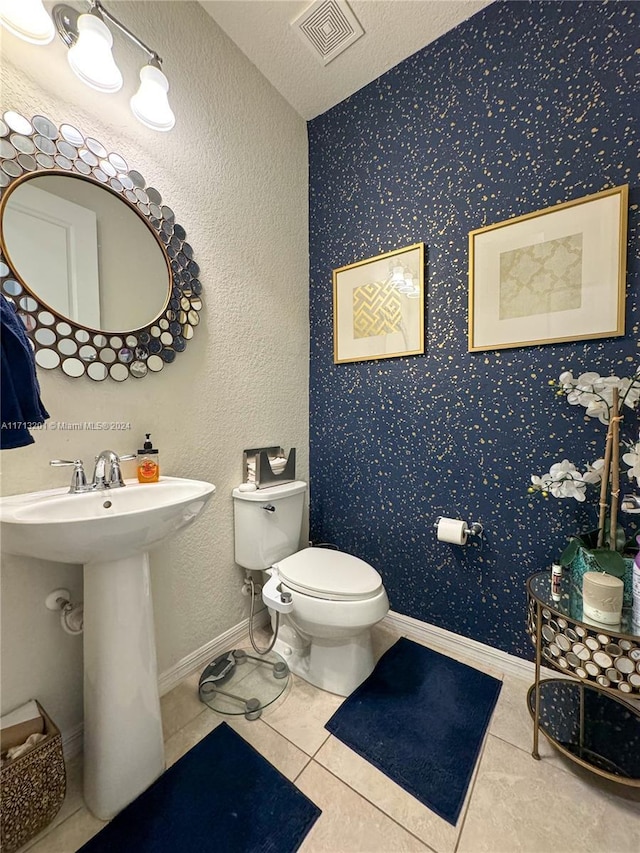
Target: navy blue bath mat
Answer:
pixel 420 718
pixel 221 797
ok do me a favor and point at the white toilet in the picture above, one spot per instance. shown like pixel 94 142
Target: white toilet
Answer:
pixel 328 601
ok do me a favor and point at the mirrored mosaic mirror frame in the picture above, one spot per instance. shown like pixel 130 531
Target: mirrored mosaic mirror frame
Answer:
pixel 39 146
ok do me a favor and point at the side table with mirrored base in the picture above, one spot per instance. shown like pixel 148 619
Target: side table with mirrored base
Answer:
pixel 593 718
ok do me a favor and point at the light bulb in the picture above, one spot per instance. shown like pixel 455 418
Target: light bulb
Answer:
pixel 150 104
pixel 90 57
pixel 28 20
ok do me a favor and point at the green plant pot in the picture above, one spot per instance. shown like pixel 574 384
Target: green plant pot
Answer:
pixel 585 562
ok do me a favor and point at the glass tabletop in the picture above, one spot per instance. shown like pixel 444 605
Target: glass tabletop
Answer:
pixel 570 605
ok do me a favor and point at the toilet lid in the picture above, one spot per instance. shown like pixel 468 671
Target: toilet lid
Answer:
pixel 324 573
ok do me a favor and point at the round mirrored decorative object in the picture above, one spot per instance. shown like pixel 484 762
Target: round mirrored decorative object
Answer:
pixel 67 346
pixel 95 147
pixel 28 163
pixel 87 353
pixel 23 144
pixel 97 371
pixel 46 337
pixel 82 167
pixel 63 162
pixel 44 144
pixel 88 157
pixel 155 363
pixel 47 358
pixel 71 134
pixel 18 123
pixel 12 288
pixel 624 665
pixel 45 127
pixel 7 151
pixel 118 163
pixel 138 369
pixel 592 643
pixel 106 333
pixel 119 372
pixel 45 161
pixel 11 168
pixel 73 367
pixel 28 304
pixel 67 149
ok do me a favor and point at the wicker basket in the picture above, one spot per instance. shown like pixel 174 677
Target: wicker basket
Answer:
pixel 32 789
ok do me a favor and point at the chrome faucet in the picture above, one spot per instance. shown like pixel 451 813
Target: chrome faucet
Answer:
pixel 112 480
pixel 106 475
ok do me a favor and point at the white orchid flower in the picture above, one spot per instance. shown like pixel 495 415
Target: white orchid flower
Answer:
pixel 632 459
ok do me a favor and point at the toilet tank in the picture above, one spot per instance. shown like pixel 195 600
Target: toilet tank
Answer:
pixel 264 536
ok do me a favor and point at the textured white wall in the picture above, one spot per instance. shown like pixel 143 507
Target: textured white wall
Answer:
pixel 234 170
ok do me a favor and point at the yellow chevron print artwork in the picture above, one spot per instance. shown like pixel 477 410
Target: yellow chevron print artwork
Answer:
pixel 377 310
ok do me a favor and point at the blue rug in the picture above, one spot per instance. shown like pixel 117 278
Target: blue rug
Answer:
pixel 420 718
pixel 221 797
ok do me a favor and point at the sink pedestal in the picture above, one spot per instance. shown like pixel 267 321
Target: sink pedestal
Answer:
pixel 123 744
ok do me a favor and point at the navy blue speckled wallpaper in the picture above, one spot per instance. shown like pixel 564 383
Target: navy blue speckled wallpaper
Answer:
pixel 525 105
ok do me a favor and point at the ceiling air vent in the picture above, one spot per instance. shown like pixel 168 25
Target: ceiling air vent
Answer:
pixel 328 27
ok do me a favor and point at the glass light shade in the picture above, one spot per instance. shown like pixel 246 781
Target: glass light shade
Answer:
pixel 397 276
pixel 150 104
pixel 90 57
pixel 28 20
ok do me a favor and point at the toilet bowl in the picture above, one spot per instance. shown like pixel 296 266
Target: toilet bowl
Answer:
pixel 327 600
pixel 325 635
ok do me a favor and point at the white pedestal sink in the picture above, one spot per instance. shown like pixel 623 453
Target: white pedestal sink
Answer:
pixel 110 532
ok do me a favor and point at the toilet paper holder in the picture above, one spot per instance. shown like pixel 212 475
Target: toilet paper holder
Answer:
pixel 473 529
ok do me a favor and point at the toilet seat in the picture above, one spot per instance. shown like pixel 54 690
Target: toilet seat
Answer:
pixel 328 574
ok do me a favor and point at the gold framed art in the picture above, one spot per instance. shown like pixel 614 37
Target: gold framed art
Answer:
pixel 378 306
pixel 551 276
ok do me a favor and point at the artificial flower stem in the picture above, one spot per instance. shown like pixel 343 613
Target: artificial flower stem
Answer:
pixel 604 484
pixel 615 470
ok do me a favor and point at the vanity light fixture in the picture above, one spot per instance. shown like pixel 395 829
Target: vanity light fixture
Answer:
pixel 89 40
pixel 90 55
pixel 28 20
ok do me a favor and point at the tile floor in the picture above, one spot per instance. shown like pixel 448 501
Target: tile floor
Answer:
pixel 514 803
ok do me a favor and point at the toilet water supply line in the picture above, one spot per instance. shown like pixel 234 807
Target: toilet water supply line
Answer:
pixel 251 608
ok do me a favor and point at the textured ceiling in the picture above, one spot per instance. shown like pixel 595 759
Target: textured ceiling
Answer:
pixel 394 29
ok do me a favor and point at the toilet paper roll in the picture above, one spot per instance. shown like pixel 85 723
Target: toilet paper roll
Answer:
pixel 452 530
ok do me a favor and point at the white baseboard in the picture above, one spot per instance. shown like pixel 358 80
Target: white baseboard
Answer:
pixel 436 638
pixel 171 677
pixel 72 740
pixel 454 644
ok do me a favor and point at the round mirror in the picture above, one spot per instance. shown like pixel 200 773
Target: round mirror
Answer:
pixel 101 265
pixel 92 258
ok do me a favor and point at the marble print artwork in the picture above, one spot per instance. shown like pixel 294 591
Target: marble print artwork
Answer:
pixel 541 278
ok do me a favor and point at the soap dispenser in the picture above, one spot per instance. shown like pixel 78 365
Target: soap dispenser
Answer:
pixel 148 462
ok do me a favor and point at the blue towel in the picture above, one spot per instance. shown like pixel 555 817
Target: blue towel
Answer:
pixel 20 403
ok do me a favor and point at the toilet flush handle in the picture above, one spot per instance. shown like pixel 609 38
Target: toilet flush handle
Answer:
pixel 269 508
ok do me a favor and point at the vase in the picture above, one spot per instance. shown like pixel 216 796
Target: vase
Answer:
pixel 584 562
